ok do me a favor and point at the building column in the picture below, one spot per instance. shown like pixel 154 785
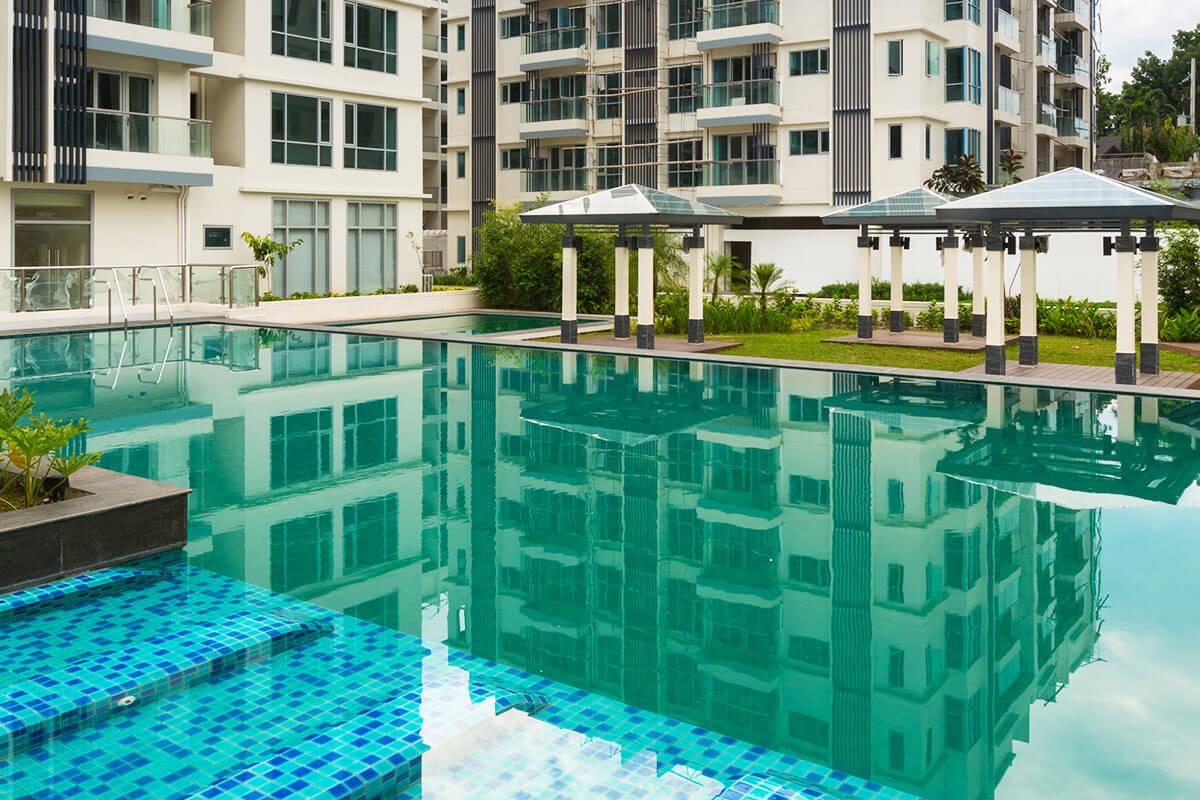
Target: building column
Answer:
pixel 645 297
pixel 866 313
pixel 978 291
pixel 1028 343
pixel 569 328
pixel 1149 248
pixel 621 270
pixel 896 317
pixel 995 357
pixel 694 246
pixel 1126 358
pixel 950 325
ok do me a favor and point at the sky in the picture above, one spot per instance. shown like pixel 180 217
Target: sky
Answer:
pixel 1131 27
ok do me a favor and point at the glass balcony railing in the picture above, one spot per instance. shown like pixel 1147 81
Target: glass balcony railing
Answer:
pixel 733 15
pixel 1007 26
pixel 434 194
pixel 739 173
pixel 554 180
pixel 432 91
pixel 431 144
pixel 431 41
pixel 556 109
pixel 1046 48
pixel 553 39
pixel 146 133
pixel 1074 127
pixel 1080 8
pixel 1008 100
pixel 1048 115
pixel 1071 64
pixel 156 14
pixel 739 93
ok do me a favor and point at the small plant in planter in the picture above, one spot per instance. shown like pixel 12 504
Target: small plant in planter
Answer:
pixel 266 250
pixel 33 467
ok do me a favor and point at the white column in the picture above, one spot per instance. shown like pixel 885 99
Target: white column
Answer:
pixel 645 320
pixel 1150 410
pixel 569 329
pixel 978 286
pixel 996 411
pixel 645 370
pixel 1126 418
pixel 995 357
pixel 621 269
pixel 1126 340
pixel 1149 352
pixel 1028 346
pixel 950 292
pixel 696 288
pixel 866 312
pixel 896 318
pixel 570 368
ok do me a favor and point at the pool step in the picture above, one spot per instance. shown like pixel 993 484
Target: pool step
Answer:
pixel 507 697
pixel 770 786
pixel 45 707
pixel 73 591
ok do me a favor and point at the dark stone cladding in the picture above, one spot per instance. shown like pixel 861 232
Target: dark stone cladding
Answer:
pixel 621 326
pixel 1126 364
pixel 696 331
pixel 569 331
pixel 1027 347
pixel 950 331
pixel 896 321
pixel 1149 363
pixel 995 359
pixel 979 325
pixel 645 337
pixel 866 327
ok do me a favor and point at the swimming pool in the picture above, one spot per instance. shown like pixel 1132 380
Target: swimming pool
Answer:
pixel 532 572
pixel 478 324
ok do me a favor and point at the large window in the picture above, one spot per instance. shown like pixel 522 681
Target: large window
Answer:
pixel 683 167
pixel 683 18
pixel 301 447
pixel 608 26
pixel 305 269
pixel 809 143
pixel 810 62
pixel 370 37
pixel 300 130
pixel 895 57
pixel 963 9
pixel 370 137
pixel 302 354
pixel 682 89
pixel 370 533
pixel 302 29
pixel 608 95
pixel 52 228
pixel 370 430
pixel 933 58
pixel 370 246
pixel 301 551
pixel 895 141
pixel 608 166
pixel 964 75
pixel 514 26
pixel 962 142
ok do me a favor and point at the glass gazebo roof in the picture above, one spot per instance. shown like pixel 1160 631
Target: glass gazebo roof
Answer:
pixel 632 205
pixel 914 208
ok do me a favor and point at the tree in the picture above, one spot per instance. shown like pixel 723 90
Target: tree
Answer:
pixel 720 266
pixel 767 279
pixel 1011 164
pixel 962 177
pixel 266 250
pixel 1179 270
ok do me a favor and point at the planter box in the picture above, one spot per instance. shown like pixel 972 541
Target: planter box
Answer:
pixel 109 519
pixel 339 309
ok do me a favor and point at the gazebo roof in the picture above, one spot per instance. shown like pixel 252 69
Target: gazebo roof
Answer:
pixel 915 208
pixel 632 204
pixel 1070 199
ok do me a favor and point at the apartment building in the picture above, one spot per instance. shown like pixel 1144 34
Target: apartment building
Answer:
pixel 158 131
pixel 782 110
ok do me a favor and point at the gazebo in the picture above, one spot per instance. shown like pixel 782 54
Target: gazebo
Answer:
pixel 633 214
pixel 1071 200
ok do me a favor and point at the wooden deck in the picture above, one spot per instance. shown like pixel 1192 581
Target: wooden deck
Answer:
pixel 1067 375
pixel 920 340
pixel 1187 348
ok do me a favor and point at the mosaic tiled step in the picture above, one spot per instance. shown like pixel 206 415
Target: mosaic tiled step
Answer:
pixel 45 707
pixel 73 591
pixel 508 697
pixel 766 786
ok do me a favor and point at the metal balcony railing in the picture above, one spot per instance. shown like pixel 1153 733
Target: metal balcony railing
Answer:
pixel 733 15
pixel 148 133
pixel 739 173
pixel 739 93
pixel 551 110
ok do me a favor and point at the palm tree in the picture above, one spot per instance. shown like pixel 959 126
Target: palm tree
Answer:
pixel 1011 163
pixel 767 279
pixel 721 266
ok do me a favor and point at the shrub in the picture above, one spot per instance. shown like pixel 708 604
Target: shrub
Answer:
pixel 882 290
pixel 29 451
pixel 1179 270
pixel 1181 327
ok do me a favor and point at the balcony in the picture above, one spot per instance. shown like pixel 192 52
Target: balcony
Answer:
pixel 739 103
pixel 1073 15
pixel 1074 129
pixel 1073 71
pixel 168 30
pixel 740 182
pixel 556 47
pixel 1047 52
pixel 1008 105
pixel 143 148
pixel 736 24
pixel 1047 118
pixel 433 195
pixel 431 145
pixel 554 180
pixel 1008 32
pixel 432 92
pixel 554 118
pixel 433 43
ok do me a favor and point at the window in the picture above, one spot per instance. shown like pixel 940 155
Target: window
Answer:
pixel 300 130
pixel 895 668
pixel 117 92
pixel 964 75
pixel 461 247
pixel 608 170
pixel 305 269
pixel 514 26
pixel 806 409
pixel 808 729
pixel 370 37
pixel 810 651
pixel 810 143
pixel 370 137
pixel 683 167
pixel 608 589
pixel 460 34
pixel 895 57
pixel 808 570
pixel 896 751
pixel 933 58
pixel 608 95
pixel 683 608
pixel 803 490
pixel 960 142
pixel 301 447
pixel 302 29
pixel 608 26
pixel 370 353
pixel 514 158
pixel 301 551
pixel 684 534
pixel 928 142
pixel 371 238
pixel 964 639
pixel 218 237
pixel 683 18
pixel 962 559
pixel 302 355
pixel 744 631
pixel 371 532
pixel 960 9
pixel 683 89
pixel 513 92
pixel 895 583
pixel 685 458
pixel 370 430
pixel 460 96
pixel 809 62
pixel 895 498
pixel 609 518
pixel 895 141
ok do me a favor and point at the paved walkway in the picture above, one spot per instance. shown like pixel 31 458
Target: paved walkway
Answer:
pixel 922 340
pixel 1067 375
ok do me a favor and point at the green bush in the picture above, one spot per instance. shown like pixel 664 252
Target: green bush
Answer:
pixel 1183 326
pixel 1179 270
pixel 1075 318
pixel 882 290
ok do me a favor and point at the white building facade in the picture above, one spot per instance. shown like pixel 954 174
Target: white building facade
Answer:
pixel 156 132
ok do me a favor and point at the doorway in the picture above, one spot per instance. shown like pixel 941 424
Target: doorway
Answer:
pixel 740 279
pixel 52 229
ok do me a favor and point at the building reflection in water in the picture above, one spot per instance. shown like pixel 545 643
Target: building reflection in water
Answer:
pixel 878 574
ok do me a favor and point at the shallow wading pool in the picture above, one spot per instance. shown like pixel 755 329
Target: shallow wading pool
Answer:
pixel 421 568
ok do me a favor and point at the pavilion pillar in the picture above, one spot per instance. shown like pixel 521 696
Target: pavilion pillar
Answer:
pixel 1149 350
pixel 1028 343
pixel 950 325
pixel 569 329
pixel 896 317
pixel 866 313
pixel 995 357
pixel 645 297
pixel 621 269
pixel 978 291
pixel 694 246
pixel 1126 418
pixel 1126 358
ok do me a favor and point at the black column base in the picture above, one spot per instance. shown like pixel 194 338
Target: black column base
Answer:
pixel 979 325
pixel 621 326
pixel 696 331
pixel 896 321
pixel 1150 358
pixel 866 327
pixel 950 331
pixel 995 359
pixel 569 331
pixel 645 337
pixel 1126 369
pixel 1027 346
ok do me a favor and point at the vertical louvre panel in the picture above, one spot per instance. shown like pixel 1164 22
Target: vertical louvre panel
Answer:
pixel 483 111
pixel 641 94
pixel 851 135
pixel 70 90
pixel 29 91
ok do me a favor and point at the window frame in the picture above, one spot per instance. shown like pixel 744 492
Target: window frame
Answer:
pixel 798 147
pixel 895 141
pixel 895 58
pixel 281 40
pixel 324 126
pixel 351 47
pixel 351 148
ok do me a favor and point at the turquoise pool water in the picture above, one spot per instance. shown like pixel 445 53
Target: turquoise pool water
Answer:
pixel 468 324
pixel 686 574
